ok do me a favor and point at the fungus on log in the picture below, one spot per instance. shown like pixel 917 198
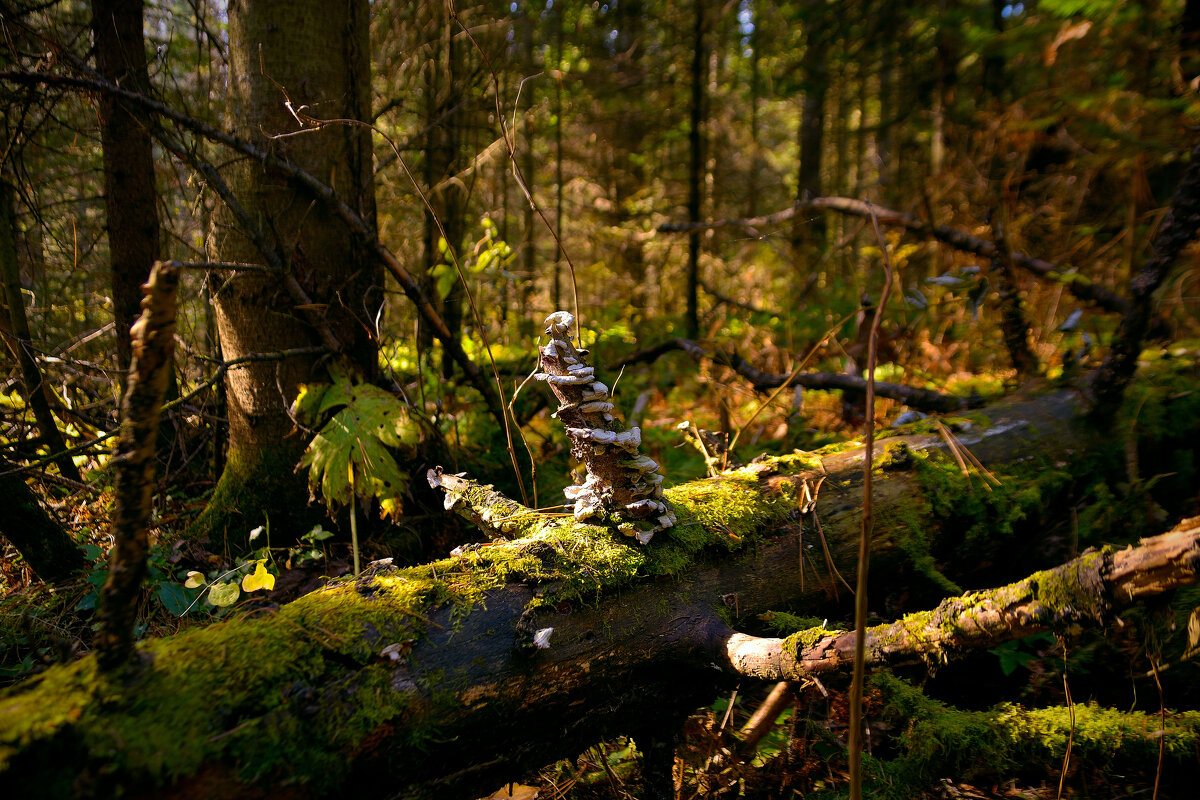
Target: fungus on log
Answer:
pixel 622 486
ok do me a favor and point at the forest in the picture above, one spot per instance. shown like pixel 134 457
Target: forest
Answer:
pixel 589 400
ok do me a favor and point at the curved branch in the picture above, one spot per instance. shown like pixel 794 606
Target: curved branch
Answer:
pixel 1076 284
pixel 912 396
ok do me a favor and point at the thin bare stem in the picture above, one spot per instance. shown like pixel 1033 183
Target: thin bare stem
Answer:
pixel 864 543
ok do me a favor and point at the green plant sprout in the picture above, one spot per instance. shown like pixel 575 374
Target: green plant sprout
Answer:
pixel 351 454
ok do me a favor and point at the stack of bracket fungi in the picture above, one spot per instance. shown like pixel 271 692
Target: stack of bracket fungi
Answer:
pixel 623 487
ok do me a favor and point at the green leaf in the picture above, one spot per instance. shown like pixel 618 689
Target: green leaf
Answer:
pixel 259 579
pixel 446 276
pixel 174 597
pixel 194 580
pixel 354 446
pixel 224 594
pixel 317 534
pixel 307 406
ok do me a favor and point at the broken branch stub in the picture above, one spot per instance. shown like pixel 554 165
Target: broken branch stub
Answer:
pixel 623 486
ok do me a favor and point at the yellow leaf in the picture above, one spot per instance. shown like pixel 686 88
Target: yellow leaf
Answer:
pixel 515 791
pixel 194 580
pixel 259 579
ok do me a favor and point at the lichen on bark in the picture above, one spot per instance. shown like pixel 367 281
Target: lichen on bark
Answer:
pixel 623 487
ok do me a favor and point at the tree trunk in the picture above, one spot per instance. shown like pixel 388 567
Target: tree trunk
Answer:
pixel 452 678
pixel 307 56
pixel 691 322
pixel 810 233
pixel 38 537
pixel 130 199
pixel 153 342
pixel 19 341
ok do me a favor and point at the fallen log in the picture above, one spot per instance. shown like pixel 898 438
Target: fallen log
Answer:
pixel 451 678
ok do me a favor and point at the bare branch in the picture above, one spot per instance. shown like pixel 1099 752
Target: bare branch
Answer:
pixel 1076 284
pixel 923 399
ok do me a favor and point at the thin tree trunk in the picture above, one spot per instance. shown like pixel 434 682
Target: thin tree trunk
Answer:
pixel 130 198
pixel 1013 324
pixel 1177 230
pixel 153 343
pixel 556 293
pixel 809 232
pixel 695 170
pixel 37 391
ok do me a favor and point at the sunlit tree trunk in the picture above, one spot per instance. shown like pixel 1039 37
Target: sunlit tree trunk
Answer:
pixel 313 55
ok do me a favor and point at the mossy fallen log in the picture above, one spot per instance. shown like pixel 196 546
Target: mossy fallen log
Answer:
pixel 1009 742
pixel 432 681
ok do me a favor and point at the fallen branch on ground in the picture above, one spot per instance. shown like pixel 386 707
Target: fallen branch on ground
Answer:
pixel 914 397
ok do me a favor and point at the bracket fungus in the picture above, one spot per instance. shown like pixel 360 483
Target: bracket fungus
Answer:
pixel 623 487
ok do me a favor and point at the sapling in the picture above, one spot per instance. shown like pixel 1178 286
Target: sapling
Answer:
pixel 623 487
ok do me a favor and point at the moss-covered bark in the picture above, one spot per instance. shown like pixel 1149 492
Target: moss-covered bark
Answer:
pixel 1009 741
pixel 428 680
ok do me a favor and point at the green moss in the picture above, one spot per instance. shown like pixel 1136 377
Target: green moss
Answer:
pixel 929 426
pixel 256 488
pixel 727 510
pixel 799 461
pixel 782 623
pixel 895 455
pixel 940 741
pixel 799 641
pixel 1077 587
pixel 986 513
pixel 237 691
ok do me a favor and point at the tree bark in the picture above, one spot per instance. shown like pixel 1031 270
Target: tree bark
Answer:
pixel 38 537
pixel 430 681
pixel 1176 232
pixel 130 199
pixel 691 320
pixel 153 344
pixel 288 59
pixel 811 134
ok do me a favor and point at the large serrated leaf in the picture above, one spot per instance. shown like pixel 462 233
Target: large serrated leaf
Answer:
pixel 351 451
